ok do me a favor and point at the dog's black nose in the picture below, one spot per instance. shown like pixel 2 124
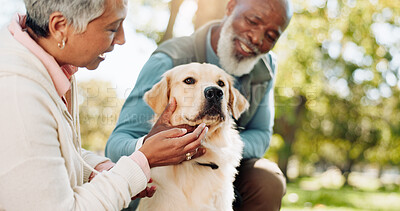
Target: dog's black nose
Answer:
pixel 214 94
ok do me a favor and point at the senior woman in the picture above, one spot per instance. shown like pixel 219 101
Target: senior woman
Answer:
pixel 42 165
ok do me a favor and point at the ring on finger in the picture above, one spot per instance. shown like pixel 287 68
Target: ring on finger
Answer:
pixel 188 156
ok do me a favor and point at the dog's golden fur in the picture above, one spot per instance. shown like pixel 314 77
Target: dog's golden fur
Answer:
pixel 190 186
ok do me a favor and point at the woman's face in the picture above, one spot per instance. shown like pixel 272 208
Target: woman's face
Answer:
pixel 88 49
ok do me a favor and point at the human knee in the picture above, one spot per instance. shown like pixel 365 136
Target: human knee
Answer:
pixel 261 184
pixel 267 177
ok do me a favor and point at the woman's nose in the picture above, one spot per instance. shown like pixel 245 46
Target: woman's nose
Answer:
pixel 120 36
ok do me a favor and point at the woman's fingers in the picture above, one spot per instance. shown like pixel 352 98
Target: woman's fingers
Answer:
pixel 151 191
pixel 197 153
pixel 187 127
pixel 171 146
pixel 171 133
pixel 192 141
pixel 178 132
pixel 147 192
pixel 140 195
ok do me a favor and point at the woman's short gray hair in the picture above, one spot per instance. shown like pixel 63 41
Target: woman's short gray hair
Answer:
pixel 77 12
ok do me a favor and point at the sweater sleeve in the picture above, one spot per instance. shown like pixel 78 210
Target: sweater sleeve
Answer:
pixel 133 122
pixel 93 160
pixel 258 131
pixel 33 172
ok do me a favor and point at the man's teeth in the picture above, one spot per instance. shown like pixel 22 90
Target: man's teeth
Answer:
pixel 103 56
pixel 245 48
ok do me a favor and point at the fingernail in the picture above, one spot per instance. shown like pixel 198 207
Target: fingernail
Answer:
pixel 202 125
pixel 184 130
pixel 206 130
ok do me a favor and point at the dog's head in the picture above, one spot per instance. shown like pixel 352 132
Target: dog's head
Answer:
pixel 203 92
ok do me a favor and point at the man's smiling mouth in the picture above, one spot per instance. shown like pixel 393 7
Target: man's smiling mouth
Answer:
pixel 245 48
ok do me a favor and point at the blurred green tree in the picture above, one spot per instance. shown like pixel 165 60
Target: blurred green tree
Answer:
pixel 337 59
pixel 206 10
pixel 99 109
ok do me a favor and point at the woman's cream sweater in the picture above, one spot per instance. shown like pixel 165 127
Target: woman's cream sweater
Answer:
pixel 41 160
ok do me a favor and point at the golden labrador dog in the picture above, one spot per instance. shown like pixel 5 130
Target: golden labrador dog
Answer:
pixel 204 93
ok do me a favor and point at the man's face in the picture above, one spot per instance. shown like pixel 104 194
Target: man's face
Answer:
pixel 258 24
pixel 250 30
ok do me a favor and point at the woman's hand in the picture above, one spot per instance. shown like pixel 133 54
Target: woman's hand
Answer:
pixel 104 166
pixel 147 192
pixel 166 146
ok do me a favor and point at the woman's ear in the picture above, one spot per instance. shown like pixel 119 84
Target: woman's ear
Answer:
pixel 158 96
pixel 58 27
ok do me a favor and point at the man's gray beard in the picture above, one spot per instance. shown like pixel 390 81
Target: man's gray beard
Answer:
pixel 226 52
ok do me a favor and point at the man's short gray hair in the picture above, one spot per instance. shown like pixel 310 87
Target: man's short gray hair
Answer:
pixel 77 12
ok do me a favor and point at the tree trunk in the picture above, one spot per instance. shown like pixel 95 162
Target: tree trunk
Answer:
pixel 283 158
pixel 174 6
pixel 208 10
pixel 288 132
pixel 347 170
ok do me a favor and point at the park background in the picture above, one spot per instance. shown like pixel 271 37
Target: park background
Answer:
pixel 337 129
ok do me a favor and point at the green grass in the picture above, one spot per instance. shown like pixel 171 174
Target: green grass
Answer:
pixel 343 199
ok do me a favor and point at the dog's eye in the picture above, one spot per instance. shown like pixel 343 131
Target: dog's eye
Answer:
pixel 221 83
pixel 189 80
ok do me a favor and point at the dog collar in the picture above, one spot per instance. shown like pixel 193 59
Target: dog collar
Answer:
pixel 212 165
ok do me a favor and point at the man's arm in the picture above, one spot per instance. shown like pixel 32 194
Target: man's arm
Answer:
pixel 258 132
pixel 133 122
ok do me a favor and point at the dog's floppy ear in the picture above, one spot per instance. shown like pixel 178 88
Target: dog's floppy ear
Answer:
pixel 158 96
pixel 237 102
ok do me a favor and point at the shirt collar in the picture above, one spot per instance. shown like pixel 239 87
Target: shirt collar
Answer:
pixel 210 54
pixel 59 75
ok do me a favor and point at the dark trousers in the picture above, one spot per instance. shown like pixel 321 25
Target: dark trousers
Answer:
pixel 260 185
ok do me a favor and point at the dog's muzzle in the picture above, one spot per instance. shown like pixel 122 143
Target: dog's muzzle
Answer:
pixel 212 108
pixel 214 95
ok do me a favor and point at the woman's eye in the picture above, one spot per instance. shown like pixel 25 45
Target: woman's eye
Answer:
pixel 221 83
pixel 189 80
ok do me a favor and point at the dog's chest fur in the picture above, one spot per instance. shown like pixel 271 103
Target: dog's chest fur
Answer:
pixel 190 186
